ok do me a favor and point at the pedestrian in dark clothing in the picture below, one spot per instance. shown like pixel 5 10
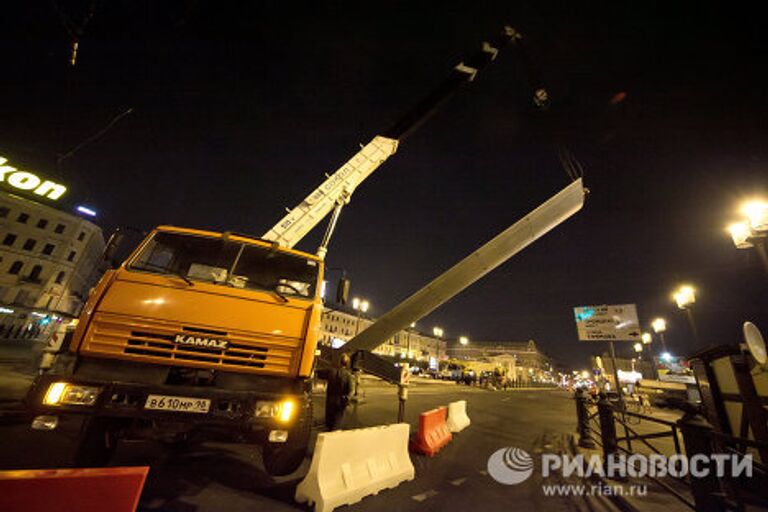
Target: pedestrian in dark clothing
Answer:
pixel 337 392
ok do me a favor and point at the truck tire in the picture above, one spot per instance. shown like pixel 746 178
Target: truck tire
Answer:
pixel 97 443
pixel 282 459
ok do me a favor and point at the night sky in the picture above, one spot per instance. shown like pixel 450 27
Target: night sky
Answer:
pixel 240 107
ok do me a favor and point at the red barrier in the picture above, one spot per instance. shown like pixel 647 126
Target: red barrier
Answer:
pixel 72 490
pixel 433 432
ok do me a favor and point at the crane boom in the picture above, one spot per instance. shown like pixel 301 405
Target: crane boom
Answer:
pixel 336 190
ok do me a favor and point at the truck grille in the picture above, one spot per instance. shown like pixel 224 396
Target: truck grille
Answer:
pixel 154 342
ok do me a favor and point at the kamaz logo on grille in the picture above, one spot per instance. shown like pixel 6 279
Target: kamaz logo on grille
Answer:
pixel 197 341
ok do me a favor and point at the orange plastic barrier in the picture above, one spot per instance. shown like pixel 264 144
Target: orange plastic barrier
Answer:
pixel 433 432
pixel 75 490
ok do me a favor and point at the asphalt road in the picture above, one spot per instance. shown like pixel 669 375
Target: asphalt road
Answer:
pixel 230 477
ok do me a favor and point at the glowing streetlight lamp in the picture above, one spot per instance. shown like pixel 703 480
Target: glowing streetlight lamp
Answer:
pixel 685 297
pixel 437 331
pixel 463 340
pixel 659 326
pixel 741 235
pixel 752 231
pixel 359 304
pixel 639 346
pixel 757 213
pixel 646 338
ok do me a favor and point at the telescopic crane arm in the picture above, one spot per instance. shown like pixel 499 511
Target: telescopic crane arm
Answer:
pixel 337 189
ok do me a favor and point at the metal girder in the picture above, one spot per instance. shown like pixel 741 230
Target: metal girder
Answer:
pixel 495 252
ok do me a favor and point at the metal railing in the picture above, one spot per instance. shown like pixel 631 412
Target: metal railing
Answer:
pixel 709 493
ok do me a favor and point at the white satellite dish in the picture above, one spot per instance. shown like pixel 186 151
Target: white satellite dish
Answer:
pixel 755 342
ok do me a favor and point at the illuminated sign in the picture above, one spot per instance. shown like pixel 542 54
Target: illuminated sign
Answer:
pixel 24 180
pixel 86 211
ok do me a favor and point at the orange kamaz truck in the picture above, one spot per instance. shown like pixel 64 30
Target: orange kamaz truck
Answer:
pixel 196 333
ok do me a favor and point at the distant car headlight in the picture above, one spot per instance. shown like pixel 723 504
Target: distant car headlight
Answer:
pixel 63 393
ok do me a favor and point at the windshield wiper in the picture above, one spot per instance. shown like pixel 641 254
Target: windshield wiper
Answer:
pixel 150 267
pixel 274 289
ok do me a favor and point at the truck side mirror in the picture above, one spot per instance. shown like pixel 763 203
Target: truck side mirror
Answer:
pixel 342 291
pixel 113 244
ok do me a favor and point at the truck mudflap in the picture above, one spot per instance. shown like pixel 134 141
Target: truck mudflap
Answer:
pixel 193 406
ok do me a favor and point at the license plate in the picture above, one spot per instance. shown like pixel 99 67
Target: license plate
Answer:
pixel 177 403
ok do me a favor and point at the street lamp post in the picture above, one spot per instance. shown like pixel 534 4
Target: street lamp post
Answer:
pixel 659 326
pixel 437 332
pixel 408 339
pixel 685 297
pixel 361 306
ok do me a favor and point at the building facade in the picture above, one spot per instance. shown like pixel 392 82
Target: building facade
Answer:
pixel 49 260
pixel 340 324
pixel 523 360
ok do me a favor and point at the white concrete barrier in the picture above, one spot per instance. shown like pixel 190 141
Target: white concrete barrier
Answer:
pixel 457 416
pixel 349 465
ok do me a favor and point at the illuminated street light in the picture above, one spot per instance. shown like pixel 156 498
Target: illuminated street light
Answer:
pixel 639 346
pixel 437 331
pixel 659 326
pixel 361 306
pixel 646 337
pixel 753 230
pixel 685 297
pixel 757 213
pixel 464 340
pixel 741 235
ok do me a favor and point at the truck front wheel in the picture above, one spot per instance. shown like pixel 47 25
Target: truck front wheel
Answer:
pixel 97 442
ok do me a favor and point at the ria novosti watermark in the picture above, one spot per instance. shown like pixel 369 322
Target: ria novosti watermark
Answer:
pixel 512 466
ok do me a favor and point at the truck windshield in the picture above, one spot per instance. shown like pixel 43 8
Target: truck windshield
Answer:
pixel 227 263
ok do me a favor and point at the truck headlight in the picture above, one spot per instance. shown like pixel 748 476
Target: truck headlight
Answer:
pixel 283 410
pixel 62 393
pixel 267 409
pixel 287 407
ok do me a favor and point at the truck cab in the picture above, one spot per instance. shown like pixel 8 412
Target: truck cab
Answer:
pixel 197 334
